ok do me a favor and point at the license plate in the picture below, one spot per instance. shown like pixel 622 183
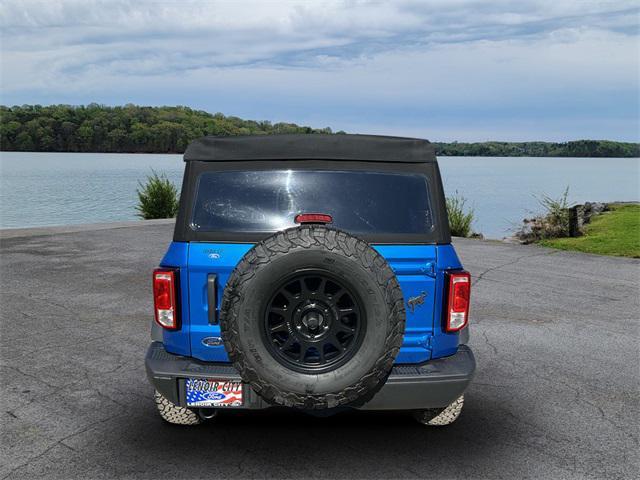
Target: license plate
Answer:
pixel 210 392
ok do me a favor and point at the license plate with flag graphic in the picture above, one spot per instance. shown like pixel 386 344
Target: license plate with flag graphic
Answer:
pixel 209 392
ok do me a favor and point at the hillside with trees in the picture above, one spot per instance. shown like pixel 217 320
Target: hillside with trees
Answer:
pixel 127 129
pixel 136 129
pixel 578 148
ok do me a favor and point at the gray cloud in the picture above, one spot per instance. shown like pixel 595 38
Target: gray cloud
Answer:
pixel 147 37
pixel 330 60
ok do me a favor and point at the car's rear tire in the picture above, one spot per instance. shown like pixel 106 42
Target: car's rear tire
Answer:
pixel 439 417
pixel 313 318
pixel 172 413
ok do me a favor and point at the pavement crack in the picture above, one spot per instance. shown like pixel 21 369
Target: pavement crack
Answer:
pixel 108 397
pixel 60 442
pixel 511 262
pixel 12 367
pixel 486 339
pixel 69 311
pixel 579 398
pixel 37 398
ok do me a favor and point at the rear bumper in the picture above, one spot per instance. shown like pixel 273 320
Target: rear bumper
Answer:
pixel 433 384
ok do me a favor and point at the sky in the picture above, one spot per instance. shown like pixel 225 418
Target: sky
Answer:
pixel 444 70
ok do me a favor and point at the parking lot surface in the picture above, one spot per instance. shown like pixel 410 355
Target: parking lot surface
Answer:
pixel 556 393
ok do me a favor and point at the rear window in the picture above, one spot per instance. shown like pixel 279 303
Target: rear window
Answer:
pixel 268 201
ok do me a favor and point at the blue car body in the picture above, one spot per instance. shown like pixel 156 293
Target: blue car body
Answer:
pixel 419 269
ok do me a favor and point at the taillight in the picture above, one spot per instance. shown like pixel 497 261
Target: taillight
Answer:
pixel 313 218
pixel 165 283
pixel 459 289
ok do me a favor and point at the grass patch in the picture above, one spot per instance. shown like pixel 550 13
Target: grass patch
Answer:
pixel 616 232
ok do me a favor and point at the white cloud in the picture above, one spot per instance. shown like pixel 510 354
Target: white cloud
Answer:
pixel 331 62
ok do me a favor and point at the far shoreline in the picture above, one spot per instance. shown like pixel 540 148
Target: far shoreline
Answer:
pixel 437 154
pixel 170 129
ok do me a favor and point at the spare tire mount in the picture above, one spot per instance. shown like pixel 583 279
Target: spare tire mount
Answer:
pixel 314 322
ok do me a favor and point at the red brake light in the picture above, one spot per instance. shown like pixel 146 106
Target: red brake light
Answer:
pixel 458 301
pixel 313 218
pixel 164 298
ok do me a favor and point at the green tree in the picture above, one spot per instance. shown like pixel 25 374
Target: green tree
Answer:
pixel 132 128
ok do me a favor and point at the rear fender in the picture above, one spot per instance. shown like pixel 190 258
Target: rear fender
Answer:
pixel 444 343
pixel 177 341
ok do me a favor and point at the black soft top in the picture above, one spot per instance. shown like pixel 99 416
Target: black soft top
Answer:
pixel 369 153
pixel 370 148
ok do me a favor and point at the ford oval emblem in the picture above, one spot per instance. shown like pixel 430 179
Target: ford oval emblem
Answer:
pixel 216 396
pixel 212 341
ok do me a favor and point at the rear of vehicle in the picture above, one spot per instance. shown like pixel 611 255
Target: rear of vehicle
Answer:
pixel 314 272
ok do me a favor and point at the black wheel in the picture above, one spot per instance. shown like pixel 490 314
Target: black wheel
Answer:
pixel 313 318
pixel 314 322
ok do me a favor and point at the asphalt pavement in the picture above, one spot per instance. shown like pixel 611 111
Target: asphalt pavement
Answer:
pixel 556 394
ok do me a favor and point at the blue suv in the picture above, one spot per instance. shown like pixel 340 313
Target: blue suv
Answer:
pixel 314 272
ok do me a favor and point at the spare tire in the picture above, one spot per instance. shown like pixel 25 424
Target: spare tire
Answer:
pixel 313 318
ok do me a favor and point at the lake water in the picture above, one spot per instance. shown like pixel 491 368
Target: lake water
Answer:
pixel 38 189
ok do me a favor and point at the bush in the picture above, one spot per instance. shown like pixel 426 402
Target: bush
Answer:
pixel 460 220
pixel 157 198
pixel 552 223
pixel 557 214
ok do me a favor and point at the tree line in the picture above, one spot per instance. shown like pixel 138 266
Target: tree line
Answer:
pixel 127 129
pixel 577 148
pixel 137 129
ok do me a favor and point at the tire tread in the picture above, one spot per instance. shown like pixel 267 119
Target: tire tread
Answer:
pixel 172 413
pixel 338 242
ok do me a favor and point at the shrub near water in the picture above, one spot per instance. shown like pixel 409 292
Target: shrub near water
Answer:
pixel 556 214
pixel 459 219
pixel 552 223
pixel 157 198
